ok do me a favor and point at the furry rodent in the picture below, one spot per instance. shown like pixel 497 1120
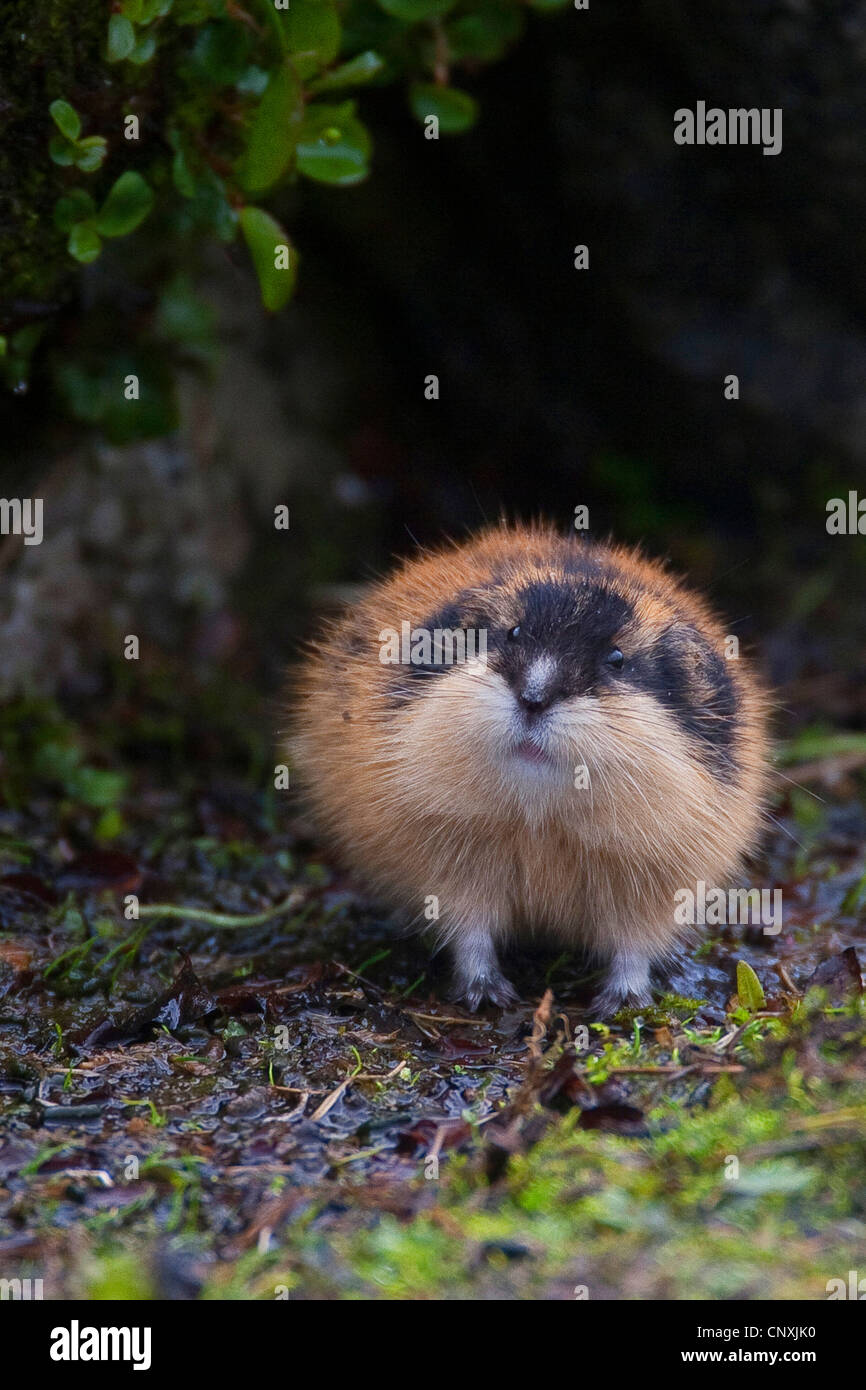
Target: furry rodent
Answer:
pixel 603 755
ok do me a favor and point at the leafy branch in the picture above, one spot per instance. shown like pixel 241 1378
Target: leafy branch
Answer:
pixel 217 107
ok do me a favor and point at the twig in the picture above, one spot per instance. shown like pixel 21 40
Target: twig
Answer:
pixel 527 1093
pixel 295 1112
pixel 100 1173
pixel 445 1018
pixel 540 1025
pixel 221 919
pixel 673 1069
pixel 782 972
pixel 356 1158
pixel 339 1091
pixel 300 1090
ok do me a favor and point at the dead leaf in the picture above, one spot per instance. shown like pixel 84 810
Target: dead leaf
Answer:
pixel 185 1000
pixel 840 974
pixel 101 868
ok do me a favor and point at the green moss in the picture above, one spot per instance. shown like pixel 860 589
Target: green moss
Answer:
pixel 668 1216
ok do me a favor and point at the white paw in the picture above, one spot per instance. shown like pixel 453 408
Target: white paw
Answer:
pixel 494 988
pixel 611 998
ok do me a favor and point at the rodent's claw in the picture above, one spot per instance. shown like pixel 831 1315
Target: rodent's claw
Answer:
pixel 626 985
pixel 495 989
pixel 610 1000
pixel 501 993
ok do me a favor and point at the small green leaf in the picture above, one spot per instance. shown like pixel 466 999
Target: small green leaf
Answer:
pixel 154 9
pixel 195 11
pixel 182 175
pixel 413 10
pixel 253 81
pixel 782 1175
pixel 4 345
pixel 61 150
pixel 84 243
pixel 19 352
pixel 144 50
pixel 749 988
pixel 26 340
pixel 313 32
pixel 75 206
pixel 207 208
pixel 485 33
pixel 66 118
pixel 820 743
pixel 456 111
pixel 334 147
pixel 269 245
pixel 121 38
pixel 221 53
pixel 97 787
pixel 274 132
pixel 359 69
pixel 90 153
pixel 128 203
pixel 110 825
pixel 94 394
pixel 855 898
pixel 132 9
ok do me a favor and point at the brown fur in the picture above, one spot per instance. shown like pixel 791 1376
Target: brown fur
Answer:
pixel 418 800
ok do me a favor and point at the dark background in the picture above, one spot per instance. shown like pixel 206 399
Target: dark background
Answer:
pixel 558 387
pixel 606 386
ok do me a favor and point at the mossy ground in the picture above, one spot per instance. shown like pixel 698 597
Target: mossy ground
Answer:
pixel 302 1114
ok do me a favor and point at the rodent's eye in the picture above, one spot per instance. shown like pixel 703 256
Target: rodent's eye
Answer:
pixel 615 659
pixel 514 633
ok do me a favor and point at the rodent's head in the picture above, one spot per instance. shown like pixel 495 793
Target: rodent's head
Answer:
pixel 594 659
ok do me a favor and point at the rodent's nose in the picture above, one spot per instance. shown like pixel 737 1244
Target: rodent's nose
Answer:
pixel 538 686
pixel 532 704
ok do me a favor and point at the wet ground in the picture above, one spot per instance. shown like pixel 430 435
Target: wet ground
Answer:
pixel 256 1088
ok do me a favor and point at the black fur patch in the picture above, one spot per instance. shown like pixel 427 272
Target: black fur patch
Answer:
pixel 576 621
pixel 575 625
pixel 465 612
pixel 691 680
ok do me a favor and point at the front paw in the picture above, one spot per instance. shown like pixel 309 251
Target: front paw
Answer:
pixel 626 984
pixel 611 998
pixel 493 988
